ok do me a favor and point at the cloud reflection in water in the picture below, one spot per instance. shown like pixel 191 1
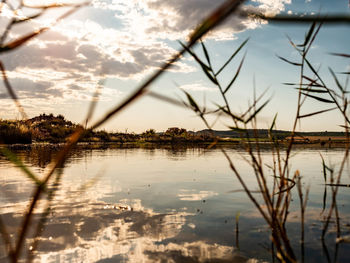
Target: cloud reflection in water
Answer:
pixel 107 234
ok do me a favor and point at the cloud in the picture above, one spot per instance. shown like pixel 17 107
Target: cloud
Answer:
pixel 68 61
pixel 167 19
pixel 26 88
pixel 61 61
pixel 197 87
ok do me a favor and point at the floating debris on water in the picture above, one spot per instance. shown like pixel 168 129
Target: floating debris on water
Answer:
pixel 121 207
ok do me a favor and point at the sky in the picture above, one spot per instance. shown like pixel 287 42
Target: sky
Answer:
pixel 114 45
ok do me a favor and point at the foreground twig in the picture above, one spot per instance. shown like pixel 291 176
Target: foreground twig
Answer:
pixel 208 24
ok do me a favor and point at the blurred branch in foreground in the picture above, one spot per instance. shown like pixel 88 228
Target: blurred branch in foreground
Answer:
pixel 214 19
pixel 299 18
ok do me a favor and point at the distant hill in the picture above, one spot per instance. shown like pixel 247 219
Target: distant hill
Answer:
pixel 264 133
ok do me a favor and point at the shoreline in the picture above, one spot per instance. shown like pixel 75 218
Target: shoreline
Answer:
pixel 323 144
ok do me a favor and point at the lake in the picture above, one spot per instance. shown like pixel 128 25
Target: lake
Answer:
pixel 167 205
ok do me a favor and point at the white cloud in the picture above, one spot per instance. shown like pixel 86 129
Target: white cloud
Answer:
pixel 80 64
pixel 74 56
pixel 272 7
pixel 197 87
pixel 167 19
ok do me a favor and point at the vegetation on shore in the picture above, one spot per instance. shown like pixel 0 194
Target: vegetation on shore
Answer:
pixel 56 129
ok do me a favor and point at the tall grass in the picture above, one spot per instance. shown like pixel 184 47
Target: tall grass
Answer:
pixel 276 197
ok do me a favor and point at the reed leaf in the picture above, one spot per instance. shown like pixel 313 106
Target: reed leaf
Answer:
pixel 204 67
pixel 236 75
pixel 312 90
pixel 192 102
pixel 309 34
pixel 273 123
pixel 232 56
pixel 341 55
pixel 229 113
pixel 290 84
pixel 288 61
pixel 207 73
pixel 312 68
pixel 256 112
pixel 317 98
pixel 304 84
pixel 313 82
pixel 313 38
pixel 255 102
pixel 194 56
pixel 336 80
pixel 292 43
pixel 205 51
pixel 315 113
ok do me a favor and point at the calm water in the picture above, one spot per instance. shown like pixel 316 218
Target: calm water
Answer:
pixel 166 205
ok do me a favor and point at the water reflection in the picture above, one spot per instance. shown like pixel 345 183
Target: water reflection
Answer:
pixel 105 232
pixel 164 205
pixel 112 233
pixel 191 195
